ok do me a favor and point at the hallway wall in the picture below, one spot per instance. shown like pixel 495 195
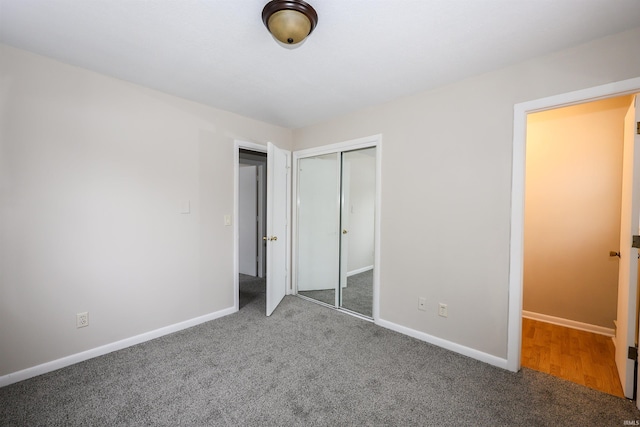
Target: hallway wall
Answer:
pixel 572 211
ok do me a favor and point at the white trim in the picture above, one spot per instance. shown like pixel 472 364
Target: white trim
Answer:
pixel 378 234
pixel 262 219
pixel 359 270
pixel 294 224
pixel 448 345
pixel 288 280
pixel 339 198
pixel 354 144
pixel 14 377
pixel 610 332
pixel 520 111
pixel 238 144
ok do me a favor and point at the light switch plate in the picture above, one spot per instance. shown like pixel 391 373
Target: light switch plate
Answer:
pixel 185 207
pixel 227 220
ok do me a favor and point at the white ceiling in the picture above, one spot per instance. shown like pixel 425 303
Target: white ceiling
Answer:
pixel 363 52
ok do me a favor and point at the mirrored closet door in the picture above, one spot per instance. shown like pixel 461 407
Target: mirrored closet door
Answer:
pixel 336 229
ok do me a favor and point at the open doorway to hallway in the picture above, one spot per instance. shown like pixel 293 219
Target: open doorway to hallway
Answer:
pixel 572 221
pixel 252 217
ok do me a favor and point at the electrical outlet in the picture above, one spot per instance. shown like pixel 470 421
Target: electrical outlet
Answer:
pixel 422 304
pixel 442 310
pixel 82 319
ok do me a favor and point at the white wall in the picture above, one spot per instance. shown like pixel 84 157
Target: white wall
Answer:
pixel 445 229
pixel 93 175
pixel 247 224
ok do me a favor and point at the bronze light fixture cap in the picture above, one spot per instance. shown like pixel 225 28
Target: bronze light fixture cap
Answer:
pixel 289 21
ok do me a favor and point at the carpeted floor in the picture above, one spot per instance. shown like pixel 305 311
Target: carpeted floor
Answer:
pixel 356 296
pixel 306 365
pixel 251 288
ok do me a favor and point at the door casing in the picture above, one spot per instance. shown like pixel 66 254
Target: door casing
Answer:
pixel 516 262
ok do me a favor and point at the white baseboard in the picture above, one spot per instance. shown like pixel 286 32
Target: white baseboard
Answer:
pixel 569 323
pixel 359 270
pixel 457 348
pixel 108 348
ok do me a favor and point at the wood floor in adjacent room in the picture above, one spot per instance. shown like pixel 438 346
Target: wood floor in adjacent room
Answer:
pixel 578 356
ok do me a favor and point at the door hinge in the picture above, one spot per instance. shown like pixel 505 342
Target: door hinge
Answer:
pixel 633 353
pixel 635 241
pixel 638 128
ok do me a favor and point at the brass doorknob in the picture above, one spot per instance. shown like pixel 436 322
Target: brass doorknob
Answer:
pixel 612 254
pixel 344 231
pixel 264 238
pixel 274 238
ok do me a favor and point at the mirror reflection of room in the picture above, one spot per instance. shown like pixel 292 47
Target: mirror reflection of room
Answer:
pixel 336 215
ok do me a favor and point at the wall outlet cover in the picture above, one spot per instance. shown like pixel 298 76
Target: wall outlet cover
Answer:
pixel 82 319
pixel 442 310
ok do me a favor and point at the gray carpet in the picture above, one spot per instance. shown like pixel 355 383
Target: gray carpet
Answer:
pixel 251 288
pixel 356 296
pixel 306 365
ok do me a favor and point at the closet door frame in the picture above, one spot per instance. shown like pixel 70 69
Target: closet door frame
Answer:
pixel 351 145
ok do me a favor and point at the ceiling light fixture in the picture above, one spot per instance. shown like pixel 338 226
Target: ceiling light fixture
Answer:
pixel 289 21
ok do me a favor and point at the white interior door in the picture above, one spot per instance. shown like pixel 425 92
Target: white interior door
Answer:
pixel 628 274
pixel 277 236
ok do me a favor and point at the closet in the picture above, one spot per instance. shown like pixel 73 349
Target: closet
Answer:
pixel 336 200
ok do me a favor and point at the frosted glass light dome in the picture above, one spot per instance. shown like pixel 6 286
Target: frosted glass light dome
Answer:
pixel 289 21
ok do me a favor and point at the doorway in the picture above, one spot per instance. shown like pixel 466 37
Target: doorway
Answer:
pixel 274 225
pixel 252 217
pixel 573 194
pixel 521 111
pixel 337 194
